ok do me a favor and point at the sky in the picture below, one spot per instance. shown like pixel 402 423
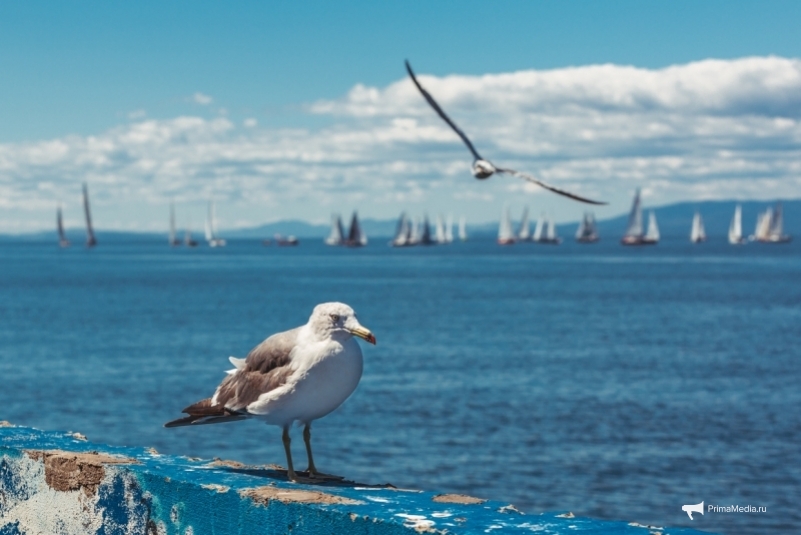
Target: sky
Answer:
pixel 296 110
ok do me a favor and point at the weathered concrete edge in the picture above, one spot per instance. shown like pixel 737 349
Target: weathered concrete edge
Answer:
pixel 159 494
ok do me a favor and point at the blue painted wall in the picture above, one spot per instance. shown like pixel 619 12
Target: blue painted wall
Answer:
pixel 156 494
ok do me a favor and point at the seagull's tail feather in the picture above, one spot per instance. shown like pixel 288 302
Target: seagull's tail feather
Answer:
pixel 203 412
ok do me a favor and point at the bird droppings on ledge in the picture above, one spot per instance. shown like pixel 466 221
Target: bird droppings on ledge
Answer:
pixel 457 498
pixel 264 495
pixel 65 470
pixel 51 482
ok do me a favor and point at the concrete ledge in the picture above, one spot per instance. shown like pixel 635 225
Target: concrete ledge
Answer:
pixel 52 482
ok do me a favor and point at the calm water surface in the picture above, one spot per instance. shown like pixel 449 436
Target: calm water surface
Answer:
pixel 611 382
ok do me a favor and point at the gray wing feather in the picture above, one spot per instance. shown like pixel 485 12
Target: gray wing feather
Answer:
pixel 441 113
pixel 542 184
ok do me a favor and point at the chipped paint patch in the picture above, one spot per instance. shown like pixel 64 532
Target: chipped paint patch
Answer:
pixel 65 471
pixel 463 499
pixel 265 494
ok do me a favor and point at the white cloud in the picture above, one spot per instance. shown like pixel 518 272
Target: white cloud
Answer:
pixel 203 100
pixel 710 129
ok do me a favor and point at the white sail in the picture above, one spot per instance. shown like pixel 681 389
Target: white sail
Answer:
pixel 449 229
pixel 335 237
pixel 736 226
pixel 402 232
pixel 582 229
pixel 763 225
pixel 776 229
pixel 697 232
pixel 211 227
pixel 635 227
pixel 462 229
pixel 653 230
pixel 524 233
pixel 414 236
pixel 439 230
pixel 539 228
pixel 505 232
pixel 550 232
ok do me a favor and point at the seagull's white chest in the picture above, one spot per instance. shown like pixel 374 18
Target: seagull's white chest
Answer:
pixel 318 386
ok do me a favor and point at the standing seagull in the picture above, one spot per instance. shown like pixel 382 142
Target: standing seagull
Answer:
pixel 483 168
pixel 294 376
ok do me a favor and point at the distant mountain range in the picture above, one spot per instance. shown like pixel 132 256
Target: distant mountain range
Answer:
pixel 674 222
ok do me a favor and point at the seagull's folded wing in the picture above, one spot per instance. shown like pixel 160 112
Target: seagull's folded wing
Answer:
pixel 542 184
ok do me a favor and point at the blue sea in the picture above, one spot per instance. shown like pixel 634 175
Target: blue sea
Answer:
pixel 613 382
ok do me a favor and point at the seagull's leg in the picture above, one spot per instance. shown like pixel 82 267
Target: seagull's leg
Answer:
pixel 307 439
pixel 312 469
pixel 290 473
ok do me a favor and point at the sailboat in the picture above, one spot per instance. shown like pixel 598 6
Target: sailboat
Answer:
pixel 462 229
pixel 545 231
pixel 90 234
pixel 524 232
pixel 211 228
pixel 439 231
pixel 776 233
pixel 587 231
pixel 356 237
pixel 403 232
pixel 189 241
pixel 505 234
pixel 173 240
pixel 697 232
pixel 449 229
pixel 770 226
pixel 425 233
pixel 736 227
pixel 635 231
pixel 62 237
pixel 538 229
pixel 337 235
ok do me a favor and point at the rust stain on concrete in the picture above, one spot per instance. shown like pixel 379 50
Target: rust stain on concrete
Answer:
pixel 66 470
pixel 263 495
pixel 457 498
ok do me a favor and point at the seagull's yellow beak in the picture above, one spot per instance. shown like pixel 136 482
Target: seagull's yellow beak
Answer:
pixel 363 333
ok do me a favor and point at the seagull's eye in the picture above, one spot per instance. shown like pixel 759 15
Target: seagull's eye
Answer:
pixel 335 317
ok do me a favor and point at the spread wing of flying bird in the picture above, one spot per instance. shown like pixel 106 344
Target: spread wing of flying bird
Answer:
pixel 484 168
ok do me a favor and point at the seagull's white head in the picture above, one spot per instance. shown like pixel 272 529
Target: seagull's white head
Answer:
pixel 483 169
pixel 337 320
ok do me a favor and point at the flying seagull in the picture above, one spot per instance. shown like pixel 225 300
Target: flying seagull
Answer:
pixel 484 168
pixel 298 375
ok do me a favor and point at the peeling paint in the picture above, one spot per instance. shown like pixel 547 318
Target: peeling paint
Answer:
pixel 457 498
pixel 265 494
pixel 65 471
